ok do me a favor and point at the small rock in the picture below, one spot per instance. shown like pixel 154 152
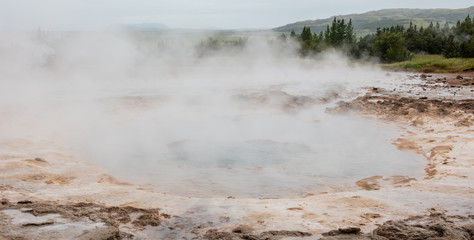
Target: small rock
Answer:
pixel 40 160
pixel 469 227
pixel 350 230
pixel 242 229
pixel 37 224
pixel 370 215
pixel 459 77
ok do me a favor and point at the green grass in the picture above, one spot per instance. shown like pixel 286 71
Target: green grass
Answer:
pixel 433 64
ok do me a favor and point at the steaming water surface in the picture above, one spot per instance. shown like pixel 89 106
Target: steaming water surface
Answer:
pixel 189 144
pixel 249 125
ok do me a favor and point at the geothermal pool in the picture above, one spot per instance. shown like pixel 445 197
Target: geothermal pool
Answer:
pixel 91 122
pixel 260 141
pixel 252 124
pixel 268 146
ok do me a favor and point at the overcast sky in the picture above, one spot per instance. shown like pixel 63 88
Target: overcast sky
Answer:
pixel 225 14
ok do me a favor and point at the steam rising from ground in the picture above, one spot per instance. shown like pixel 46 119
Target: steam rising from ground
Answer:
pixel 149 109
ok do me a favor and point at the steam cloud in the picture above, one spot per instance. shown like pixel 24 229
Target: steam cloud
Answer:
pixel 148 109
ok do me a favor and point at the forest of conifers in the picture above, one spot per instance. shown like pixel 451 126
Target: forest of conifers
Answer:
pixel 396 43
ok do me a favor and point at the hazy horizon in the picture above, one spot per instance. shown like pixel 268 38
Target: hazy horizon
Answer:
pixel 229 14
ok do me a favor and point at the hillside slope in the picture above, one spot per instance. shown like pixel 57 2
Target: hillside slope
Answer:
pixel 368 22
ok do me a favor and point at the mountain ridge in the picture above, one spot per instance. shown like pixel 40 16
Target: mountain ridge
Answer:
pixel 368 22
pixel 150 26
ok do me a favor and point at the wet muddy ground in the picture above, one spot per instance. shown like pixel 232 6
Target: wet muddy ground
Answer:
pixel 57 196
pixel 32 220
pixel 433 226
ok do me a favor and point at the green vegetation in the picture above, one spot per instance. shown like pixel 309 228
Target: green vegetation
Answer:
pixel 392 44
pixel 431 48
pixel 338 35
pixel 367 23
pixel 433 63
pixel 218 43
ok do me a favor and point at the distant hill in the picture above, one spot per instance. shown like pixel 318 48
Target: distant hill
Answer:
pixel 142 27
pixel 368 22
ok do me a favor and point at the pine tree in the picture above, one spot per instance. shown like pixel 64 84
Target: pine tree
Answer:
pixel 451 49
pixel 333 33
pixel 327 35
pixel 306 34
pixel 293 34
pixel 340 32
pixel 445 29
pixel 349 35
pixel 467 26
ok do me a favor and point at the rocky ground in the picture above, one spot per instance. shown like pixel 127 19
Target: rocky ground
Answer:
pixel 57 196
pixel 26 219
